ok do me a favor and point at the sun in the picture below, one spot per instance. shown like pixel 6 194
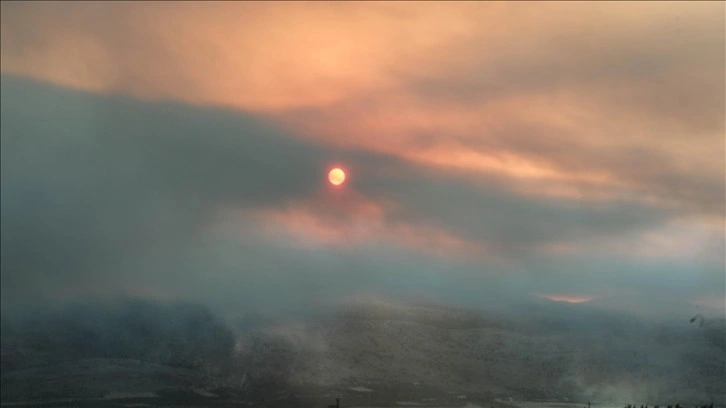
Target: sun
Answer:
pixel 336 176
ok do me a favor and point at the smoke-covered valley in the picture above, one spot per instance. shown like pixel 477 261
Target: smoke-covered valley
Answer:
pixel 370 351
pixel 529 204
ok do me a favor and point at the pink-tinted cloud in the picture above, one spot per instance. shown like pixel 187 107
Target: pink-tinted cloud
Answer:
pixel 568 298
pixel 484 130
pixel 587 99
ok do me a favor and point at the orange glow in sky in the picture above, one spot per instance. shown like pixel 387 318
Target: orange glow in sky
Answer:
pixel 568 298
pixel 484 131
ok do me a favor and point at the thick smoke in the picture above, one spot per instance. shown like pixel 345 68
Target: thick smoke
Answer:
pixel 177 335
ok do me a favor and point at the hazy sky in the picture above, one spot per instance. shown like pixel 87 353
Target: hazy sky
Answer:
pixel 179 151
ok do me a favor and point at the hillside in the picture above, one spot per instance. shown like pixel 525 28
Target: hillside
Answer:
pixel 375 352
pixel 586 354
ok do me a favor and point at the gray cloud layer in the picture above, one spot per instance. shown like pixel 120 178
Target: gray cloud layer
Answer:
pixel 106 195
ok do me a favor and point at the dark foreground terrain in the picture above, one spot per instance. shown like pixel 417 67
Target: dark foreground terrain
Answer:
pixel 141 354
pixel 126 383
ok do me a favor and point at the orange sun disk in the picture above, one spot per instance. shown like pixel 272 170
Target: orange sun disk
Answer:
pixel 336 176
